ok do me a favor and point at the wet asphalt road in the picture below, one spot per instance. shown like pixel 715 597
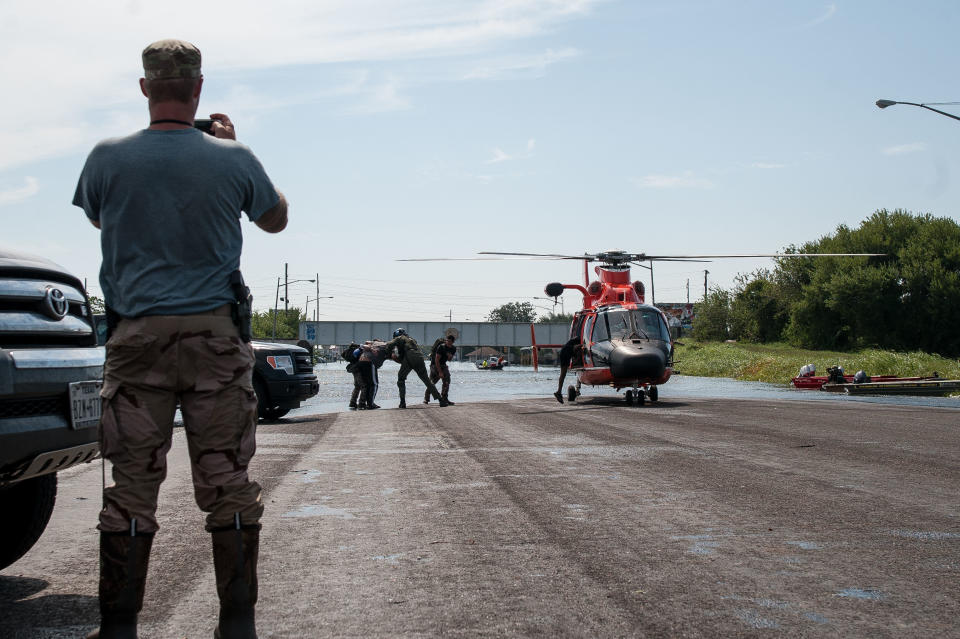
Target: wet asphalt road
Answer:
pixel 689 517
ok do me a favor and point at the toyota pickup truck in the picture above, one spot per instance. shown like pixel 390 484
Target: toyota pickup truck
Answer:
pixel 51 372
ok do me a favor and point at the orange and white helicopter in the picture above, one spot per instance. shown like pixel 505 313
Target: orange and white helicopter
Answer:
pixel 624 342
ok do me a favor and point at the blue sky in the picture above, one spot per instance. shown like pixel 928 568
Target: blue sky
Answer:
pixel 423 128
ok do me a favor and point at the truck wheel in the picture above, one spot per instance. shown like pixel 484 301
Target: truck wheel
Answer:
pixel 27 505
pixel 266 409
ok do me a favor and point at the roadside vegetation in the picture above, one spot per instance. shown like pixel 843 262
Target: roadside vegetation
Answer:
pixel 777 363
pixel 906 299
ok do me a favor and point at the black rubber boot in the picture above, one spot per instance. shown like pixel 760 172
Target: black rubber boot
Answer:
pixel 124 558
pixel 235 552
pixel 403 404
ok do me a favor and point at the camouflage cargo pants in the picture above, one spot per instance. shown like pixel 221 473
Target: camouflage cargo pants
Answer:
pixel 435 376
pixel 200 361
pixel 414 362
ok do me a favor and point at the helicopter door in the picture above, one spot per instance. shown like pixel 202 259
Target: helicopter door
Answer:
pixel 587 342
pixel 601 334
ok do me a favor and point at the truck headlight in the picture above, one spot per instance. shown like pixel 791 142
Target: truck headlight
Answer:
pixel 281 362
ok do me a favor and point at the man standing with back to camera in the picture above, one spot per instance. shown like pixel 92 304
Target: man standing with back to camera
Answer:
pixel 168 201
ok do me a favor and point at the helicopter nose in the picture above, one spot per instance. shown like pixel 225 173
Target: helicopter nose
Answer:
pixel 633 362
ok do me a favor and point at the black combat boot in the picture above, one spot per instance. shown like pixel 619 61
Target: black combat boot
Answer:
pixel 235 553
pixel 123 573
pixel 403 404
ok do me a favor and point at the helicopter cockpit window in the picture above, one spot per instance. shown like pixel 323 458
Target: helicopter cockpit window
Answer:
pixel 600 333
pixel 619 321
pixel 650 325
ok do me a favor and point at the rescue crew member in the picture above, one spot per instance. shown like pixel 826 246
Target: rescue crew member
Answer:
pixel 442 353
pixel 410 358
pixel 168 201
pixel 370 358
pixel 567 352
pixel 352 368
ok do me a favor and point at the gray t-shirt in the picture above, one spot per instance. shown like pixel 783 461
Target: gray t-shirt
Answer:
pixel 168 204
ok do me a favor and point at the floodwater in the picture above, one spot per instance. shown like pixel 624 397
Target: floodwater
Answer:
pixel 516 382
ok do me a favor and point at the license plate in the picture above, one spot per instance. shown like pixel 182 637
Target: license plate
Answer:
pixel 85 404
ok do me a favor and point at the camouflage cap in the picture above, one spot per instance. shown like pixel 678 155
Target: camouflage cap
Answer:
pixel 165 59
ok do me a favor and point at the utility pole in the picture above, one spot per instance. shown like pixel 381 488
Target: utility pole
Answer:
pixel 688 290
pixel 316 313
pixel 286 287
pixel 705 273
pixel 653 291
pixel 276 303
pixel 450 316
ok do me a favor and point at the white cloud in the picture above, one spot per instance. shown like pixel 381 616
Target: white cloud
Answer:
pixel 499 155
pixel 686 180
pixel 767 165
pixel 828 13
pixel 74 65
pixel 30 188
pixel 903 149
pixel 537 63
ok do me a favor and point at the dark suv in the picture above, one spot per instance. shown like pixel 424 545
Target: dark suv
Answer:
pixel 51 371
pixel 283 377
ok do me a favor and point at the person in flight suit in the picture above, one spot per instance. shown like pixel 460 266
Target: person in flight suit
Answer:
pixel 443 352
pixel 353 368
pixel 168 200
pixel 410 359
pixel 571 348
pixel 370 357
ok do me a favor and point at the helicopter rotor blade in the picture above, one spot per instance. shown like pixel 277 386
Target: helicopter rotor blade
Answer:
pixel 548 256
pixel 760 255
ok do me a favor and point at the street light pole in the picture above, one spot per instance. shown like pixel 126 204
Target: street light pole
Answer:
pixel 883 104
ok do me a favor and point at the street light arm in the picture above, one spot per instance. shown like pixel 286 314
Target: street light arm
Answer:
pixel 883 104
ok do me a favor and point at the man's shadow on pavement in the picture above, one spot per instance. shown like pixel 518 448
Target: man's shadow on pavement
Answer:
pixel 27 615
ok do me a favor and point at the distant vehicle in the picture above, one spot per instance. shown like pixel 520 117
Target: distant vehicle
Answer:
pixel 282 378
pixel 51 372
pixel 282 375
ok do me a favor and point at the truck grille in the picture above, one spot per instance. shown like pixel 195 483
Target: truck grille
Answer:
pixel 42 312
pixel 302 363
pixel 34 406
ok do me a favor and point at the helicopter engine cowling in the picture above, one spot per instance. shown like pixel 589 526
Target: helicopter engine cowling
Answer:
pixel 637 361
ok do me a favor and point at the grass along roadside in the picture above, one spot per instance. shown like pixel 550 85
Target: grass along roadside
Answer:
pixel 778 363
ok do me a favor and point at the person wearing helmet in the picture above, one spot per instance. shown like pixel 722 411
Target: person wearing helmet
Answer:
pixel 410 359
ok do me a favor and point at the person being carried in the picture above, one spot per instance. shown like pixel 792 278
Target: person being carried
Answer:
pixel 443 351
pixel 168 201
pixel 410 359
pixel 370 357
pixel 571 348
pixel 349 354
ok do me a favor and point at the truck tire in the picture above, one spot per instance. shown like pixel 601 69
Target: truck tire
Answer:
pixel 266 409
pixel 28 505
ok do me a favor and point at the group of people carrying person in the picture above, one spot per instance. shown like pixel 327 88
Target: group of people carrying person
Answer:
pixel 365 359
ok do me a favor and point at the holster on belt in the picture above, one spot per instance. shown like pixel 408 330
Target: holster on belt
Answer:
pixel 113 320
pixel 242 308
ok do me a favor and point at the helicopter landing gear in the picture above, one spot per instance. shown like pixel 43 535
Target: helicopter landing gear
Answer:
pixel 572 393
pixel 635 395
pixel 653 393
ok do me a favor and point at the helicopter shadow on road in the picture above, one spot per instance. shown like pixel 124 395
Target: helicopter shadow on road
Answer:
pixel 24 613
pixel 604 403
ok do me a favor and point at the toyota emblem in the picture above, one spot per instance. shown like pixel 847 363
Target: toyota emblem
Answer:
pixel 55 303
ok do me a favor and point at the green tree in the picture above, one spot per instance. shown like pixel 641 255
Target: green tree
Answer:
pixel 287 324
pixel 713 316
pixel 96 304
pixel 513 312
pixel 555 318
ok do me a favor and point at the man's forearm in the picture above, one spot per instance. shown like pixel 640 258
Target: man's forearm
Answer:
pixel 274 220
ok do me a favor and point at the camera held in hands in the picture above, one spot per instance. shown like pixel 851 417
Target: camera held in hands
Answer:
pixel 204 124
